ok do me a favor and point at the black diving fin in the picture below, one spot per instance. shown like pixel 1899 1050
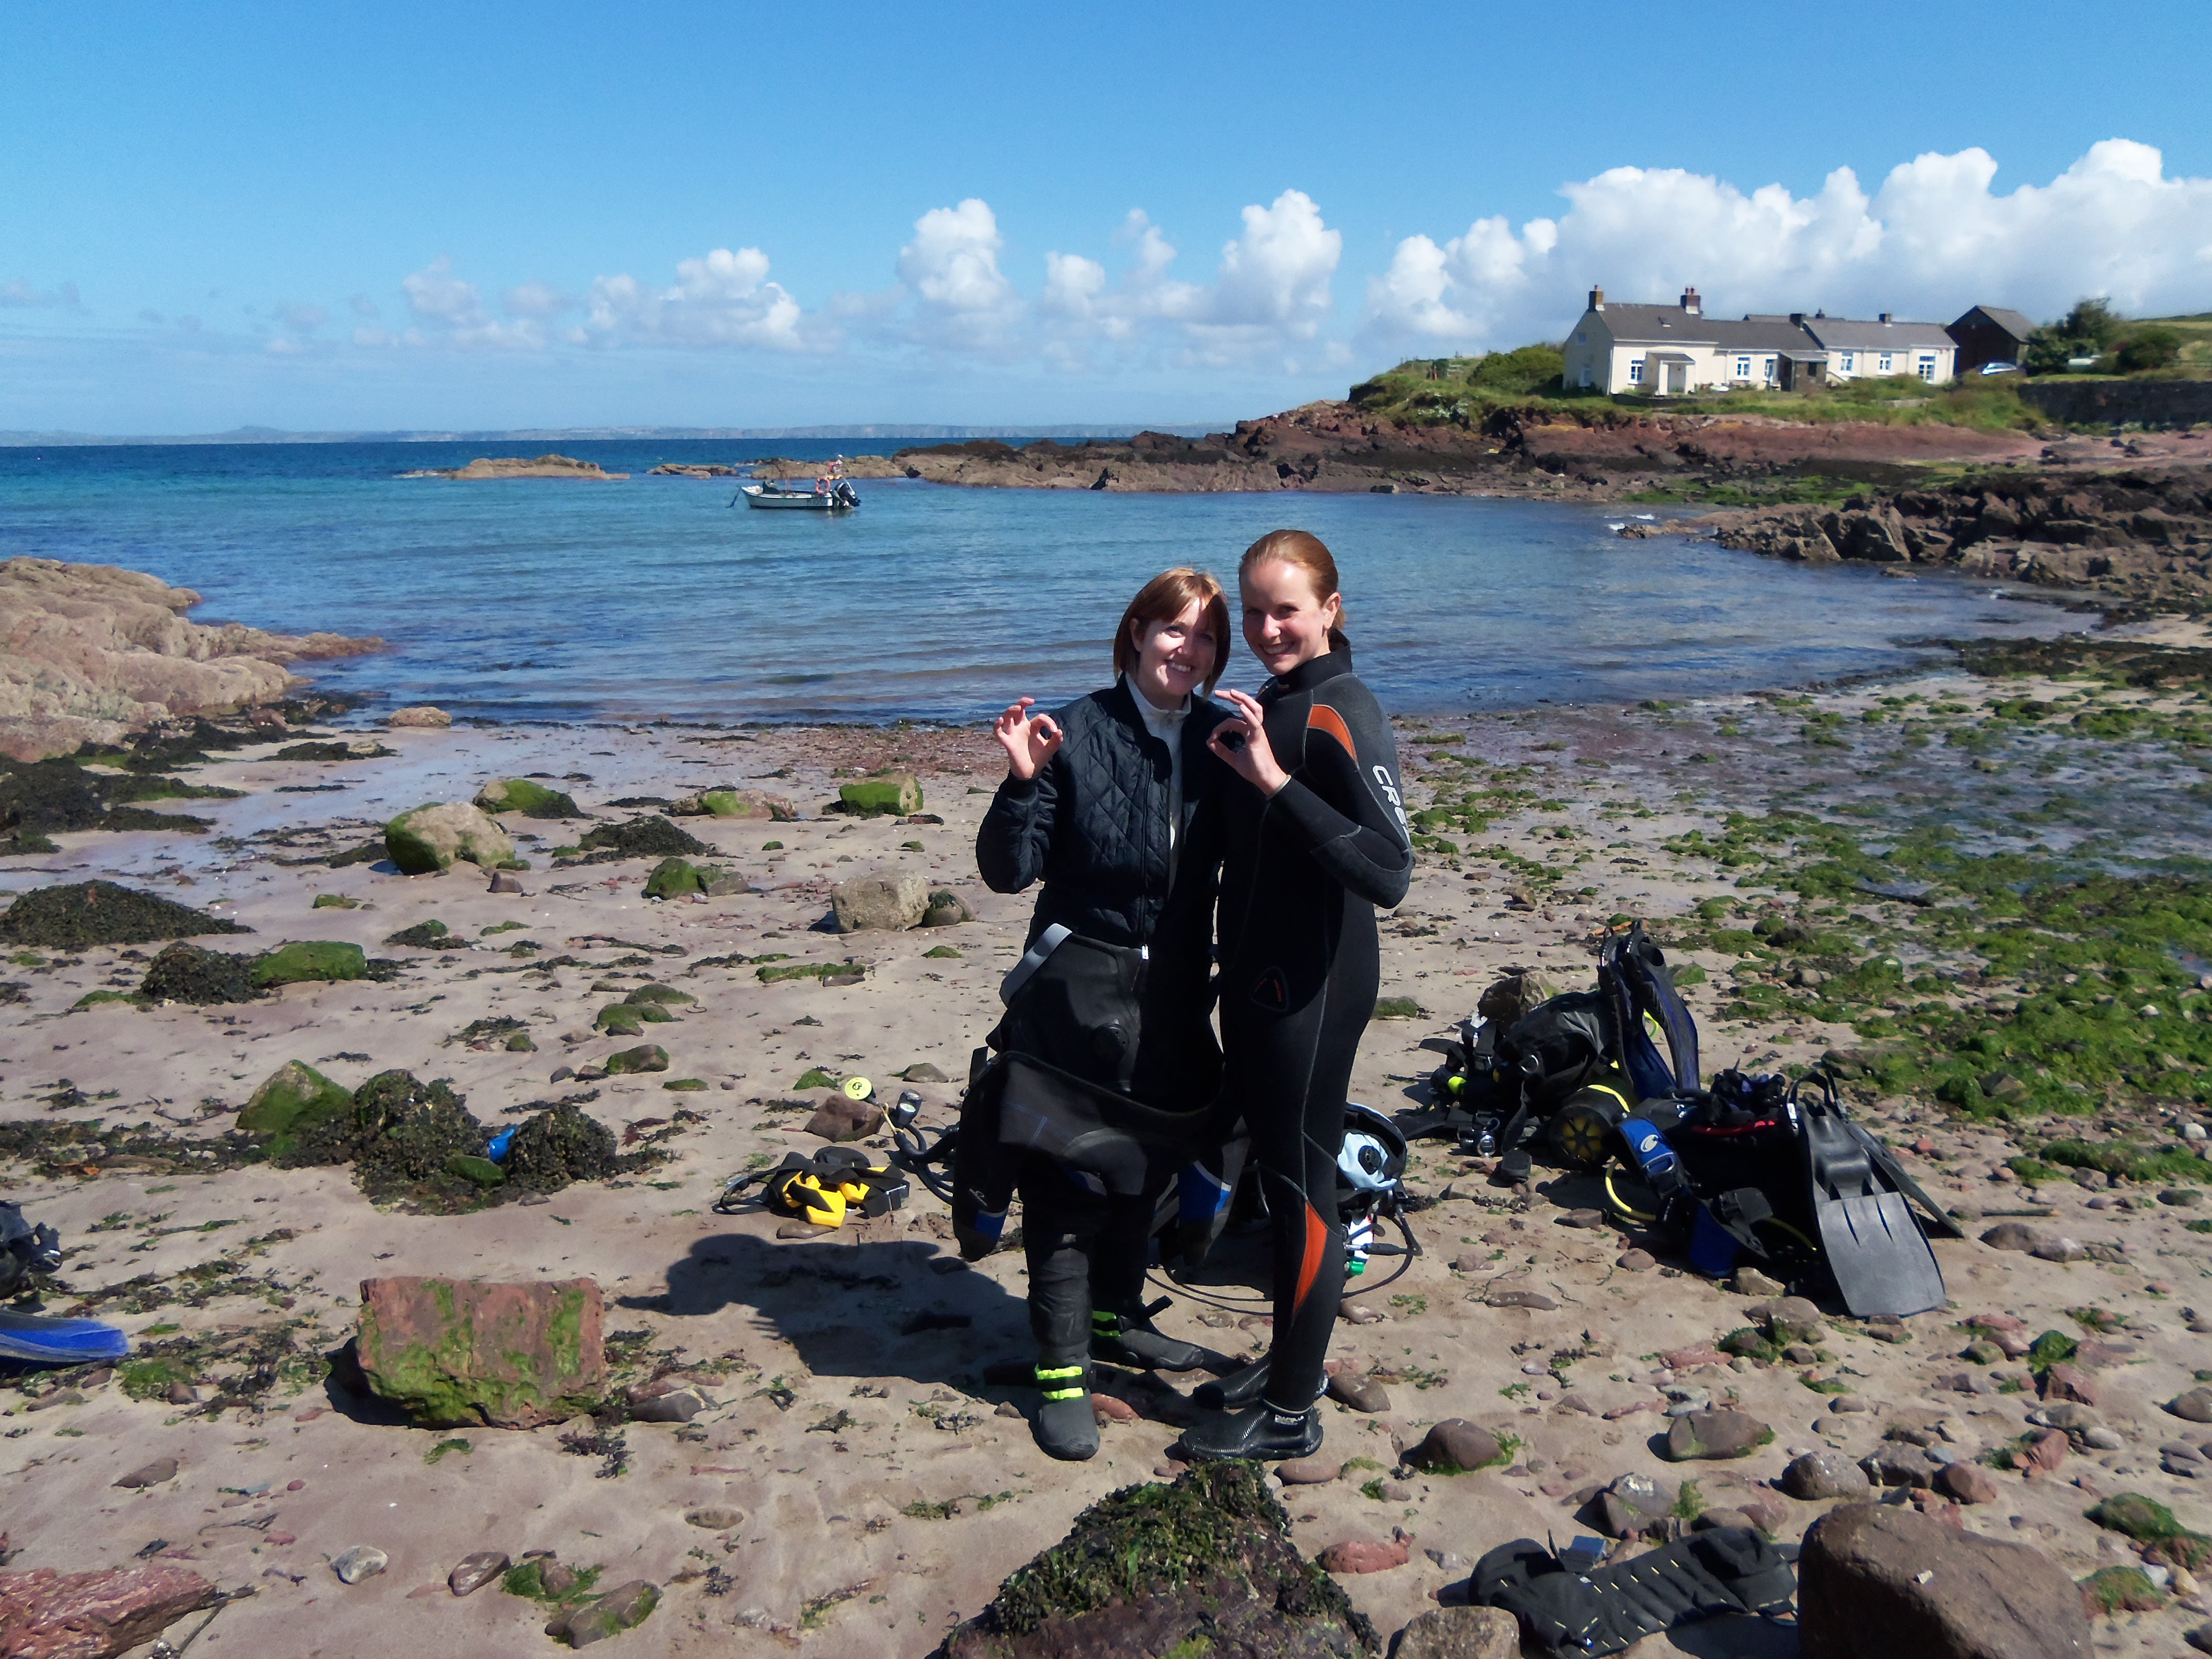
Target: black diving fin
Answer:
pixel 1874 1244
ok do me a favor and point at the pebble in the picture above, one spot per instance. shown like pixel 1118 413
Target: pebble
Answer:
pixel 1966 1483
pixel 1583 1219
pixel 474 1570
pixel 1849 1402
pixel 1725 1432
pixel 1819 1474
pixel 1309 1471
pixel 2193 1407
pixel 1636 1261
pixel 362 1561
pixel 155 1473
pixel 1359 1313
pixel 1108 1409
pixel 1455 1444
pixel 1749 1281
pixel 2011 1236
pixel 1355 1555
pixel 1362 1393
pixel 714 1518
pixel 1535 1301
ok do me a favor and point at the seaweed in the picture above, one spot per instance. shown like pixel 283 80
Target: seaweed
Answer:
pixel 1216 1530
pixel 89 913
pixel 562 1146
pixel 652 837
pixel 185 973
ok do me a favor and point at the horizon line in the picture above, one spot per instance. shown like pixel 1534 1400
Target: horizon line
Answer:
pixel 21 437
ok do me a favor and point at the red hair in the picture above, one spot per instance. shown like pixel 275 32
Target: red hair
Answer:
pixel 1163 599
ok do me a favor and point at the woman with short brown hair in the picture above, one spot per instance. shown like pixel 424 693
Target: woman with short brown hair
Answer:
pixel 1097 802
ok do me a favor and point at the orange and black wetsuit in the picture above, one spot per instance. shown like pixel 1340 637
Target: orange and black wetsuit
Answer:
pixel 1303 873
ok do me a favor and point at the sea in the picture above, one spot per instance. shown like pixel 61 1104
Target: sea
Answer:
pixel 665 599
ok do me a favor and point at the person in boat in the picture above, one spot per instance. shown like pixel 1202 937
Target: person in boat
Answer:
pixel 1313 838
pixel 1096 803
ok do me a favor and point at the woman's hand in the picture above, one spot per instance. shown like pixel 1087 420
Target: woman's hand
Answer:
pixel 1029 740
pixel 1253 759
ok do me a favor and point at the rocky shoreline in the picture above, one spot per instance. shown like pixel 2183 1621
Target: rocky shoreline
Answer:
pixel 94 654
pixel 1981 890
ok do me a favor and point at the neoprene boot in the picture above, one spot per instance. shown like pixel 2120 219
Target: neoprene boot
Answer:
pixel 1066 1426
pixel 1236 1390
pixel 1262 1433
pixel 1121 1340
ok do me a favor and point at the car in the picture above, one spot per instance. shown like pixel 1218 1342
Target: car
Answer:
pixel 1999 369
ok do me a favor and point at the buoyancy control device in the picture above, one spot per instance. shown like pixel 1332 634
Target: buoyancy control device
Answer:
pixel 1564 1608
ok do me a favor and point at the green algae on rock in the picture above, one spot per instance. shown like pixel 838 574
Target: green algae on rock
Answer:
pixel 673 878
pixel 313 959
pixel 531 799
pixel 89 913
pixel 646 1057
pixel 431 838
pixel 889 793
pixel 430 935
pixel 294 1097
pixel 1206 1563
pixel 562 1145
pixel 452 1352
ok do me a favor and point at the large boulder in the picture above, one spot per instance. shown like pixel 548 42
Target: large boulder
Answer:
pixel 525 795
pixel 45 1614
pixel 452 1352
pixel 884 794
pixel 889 899
pixel 1206 1565
pixel 1877 1581
pixel 432 837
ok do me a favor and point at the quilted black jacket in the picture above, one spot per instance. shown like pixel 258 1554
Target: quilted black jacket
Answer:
pixel 1093 823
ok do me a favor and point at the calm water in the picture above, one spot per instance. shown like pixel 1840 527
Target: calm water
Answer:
pixel 560 601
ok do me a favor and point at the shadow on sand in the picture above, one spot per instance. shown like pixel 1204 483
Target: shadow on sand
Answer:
pixel 899 1306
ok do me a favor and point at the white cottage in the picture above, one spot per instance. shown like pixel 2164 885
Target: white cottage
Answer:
pixel 1669 351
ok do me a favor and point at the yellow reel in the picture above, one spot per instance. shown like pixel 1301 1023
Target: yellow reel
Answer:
pixel 859 1088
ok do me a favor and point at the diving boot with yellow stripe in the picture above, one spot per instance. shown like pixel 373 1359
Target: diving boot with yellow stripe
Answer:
pixel 1066 1426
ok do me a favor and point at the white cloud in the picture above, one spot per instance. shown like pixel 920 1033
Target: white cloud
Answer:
pixel 436 295
pixel 303 320
pixel 1933 240
pixel 952 268
pixel 363 305
pixel 722 299
pixel 1272 287
pixel 16 292
pixel 536 300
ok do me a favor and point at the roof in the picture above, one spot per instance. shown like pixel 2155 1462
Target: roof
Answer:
pixel 1669 323
pixel 1766 334
pixel 2012 322
pixel 1843 334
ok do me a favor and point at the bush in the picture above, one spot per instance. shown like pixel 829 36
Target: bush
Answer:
pixel 2150 348
pixel 1521 371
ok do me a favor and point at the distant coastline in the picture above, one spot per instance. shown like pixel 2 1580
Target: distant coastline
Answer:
pixel 262 434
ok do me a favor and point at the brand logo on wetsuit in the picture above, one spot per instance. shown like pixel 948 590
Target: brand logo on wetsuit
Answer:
pixel 1272 991
pixel 1390 793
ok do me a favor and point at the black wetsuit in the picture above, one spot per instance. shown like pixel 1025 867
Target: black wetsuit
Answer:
pixel 1303 873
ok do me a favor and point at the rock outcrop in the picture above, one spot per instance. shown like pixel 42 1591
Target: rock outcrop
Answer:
pixel 2143 534
pixel 519 467
pixel 92 653
pixel 431 838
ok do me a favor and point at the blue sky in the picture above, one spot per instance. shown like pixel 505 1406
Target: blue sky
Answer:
pixel 403 216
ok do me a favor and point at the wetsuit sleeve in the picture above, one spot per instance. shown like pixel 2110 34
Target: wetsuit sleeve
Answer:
pixel 1345 802
pixel 1017 831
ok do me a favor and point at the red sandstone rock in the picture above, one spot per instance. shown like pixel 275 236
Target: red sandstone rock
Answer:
pixel 46 1614
pixel 455 1352
pixel 1362 1555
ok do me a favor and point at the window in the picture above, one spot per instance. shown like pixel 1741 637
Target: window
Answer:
pixel 1848 363
pixel 1636 373
pixel 1927 368
pixel 1586 375
pixel 1743 368
pixel 1581 335
pixel 1885 362
pixel 1769 369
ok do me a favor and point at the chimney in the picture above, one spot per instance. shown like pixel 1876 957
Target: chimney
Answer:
pixel 1885 319
pixel 1597 299
pixel 1797 319
pixel 1691 303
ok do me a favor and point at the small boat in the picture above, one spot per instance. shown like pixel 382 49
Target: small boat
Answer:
pixel 831 493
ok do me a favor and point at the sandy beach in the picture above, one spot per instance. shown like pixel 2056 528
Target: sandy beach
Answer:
pixel 855 1485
